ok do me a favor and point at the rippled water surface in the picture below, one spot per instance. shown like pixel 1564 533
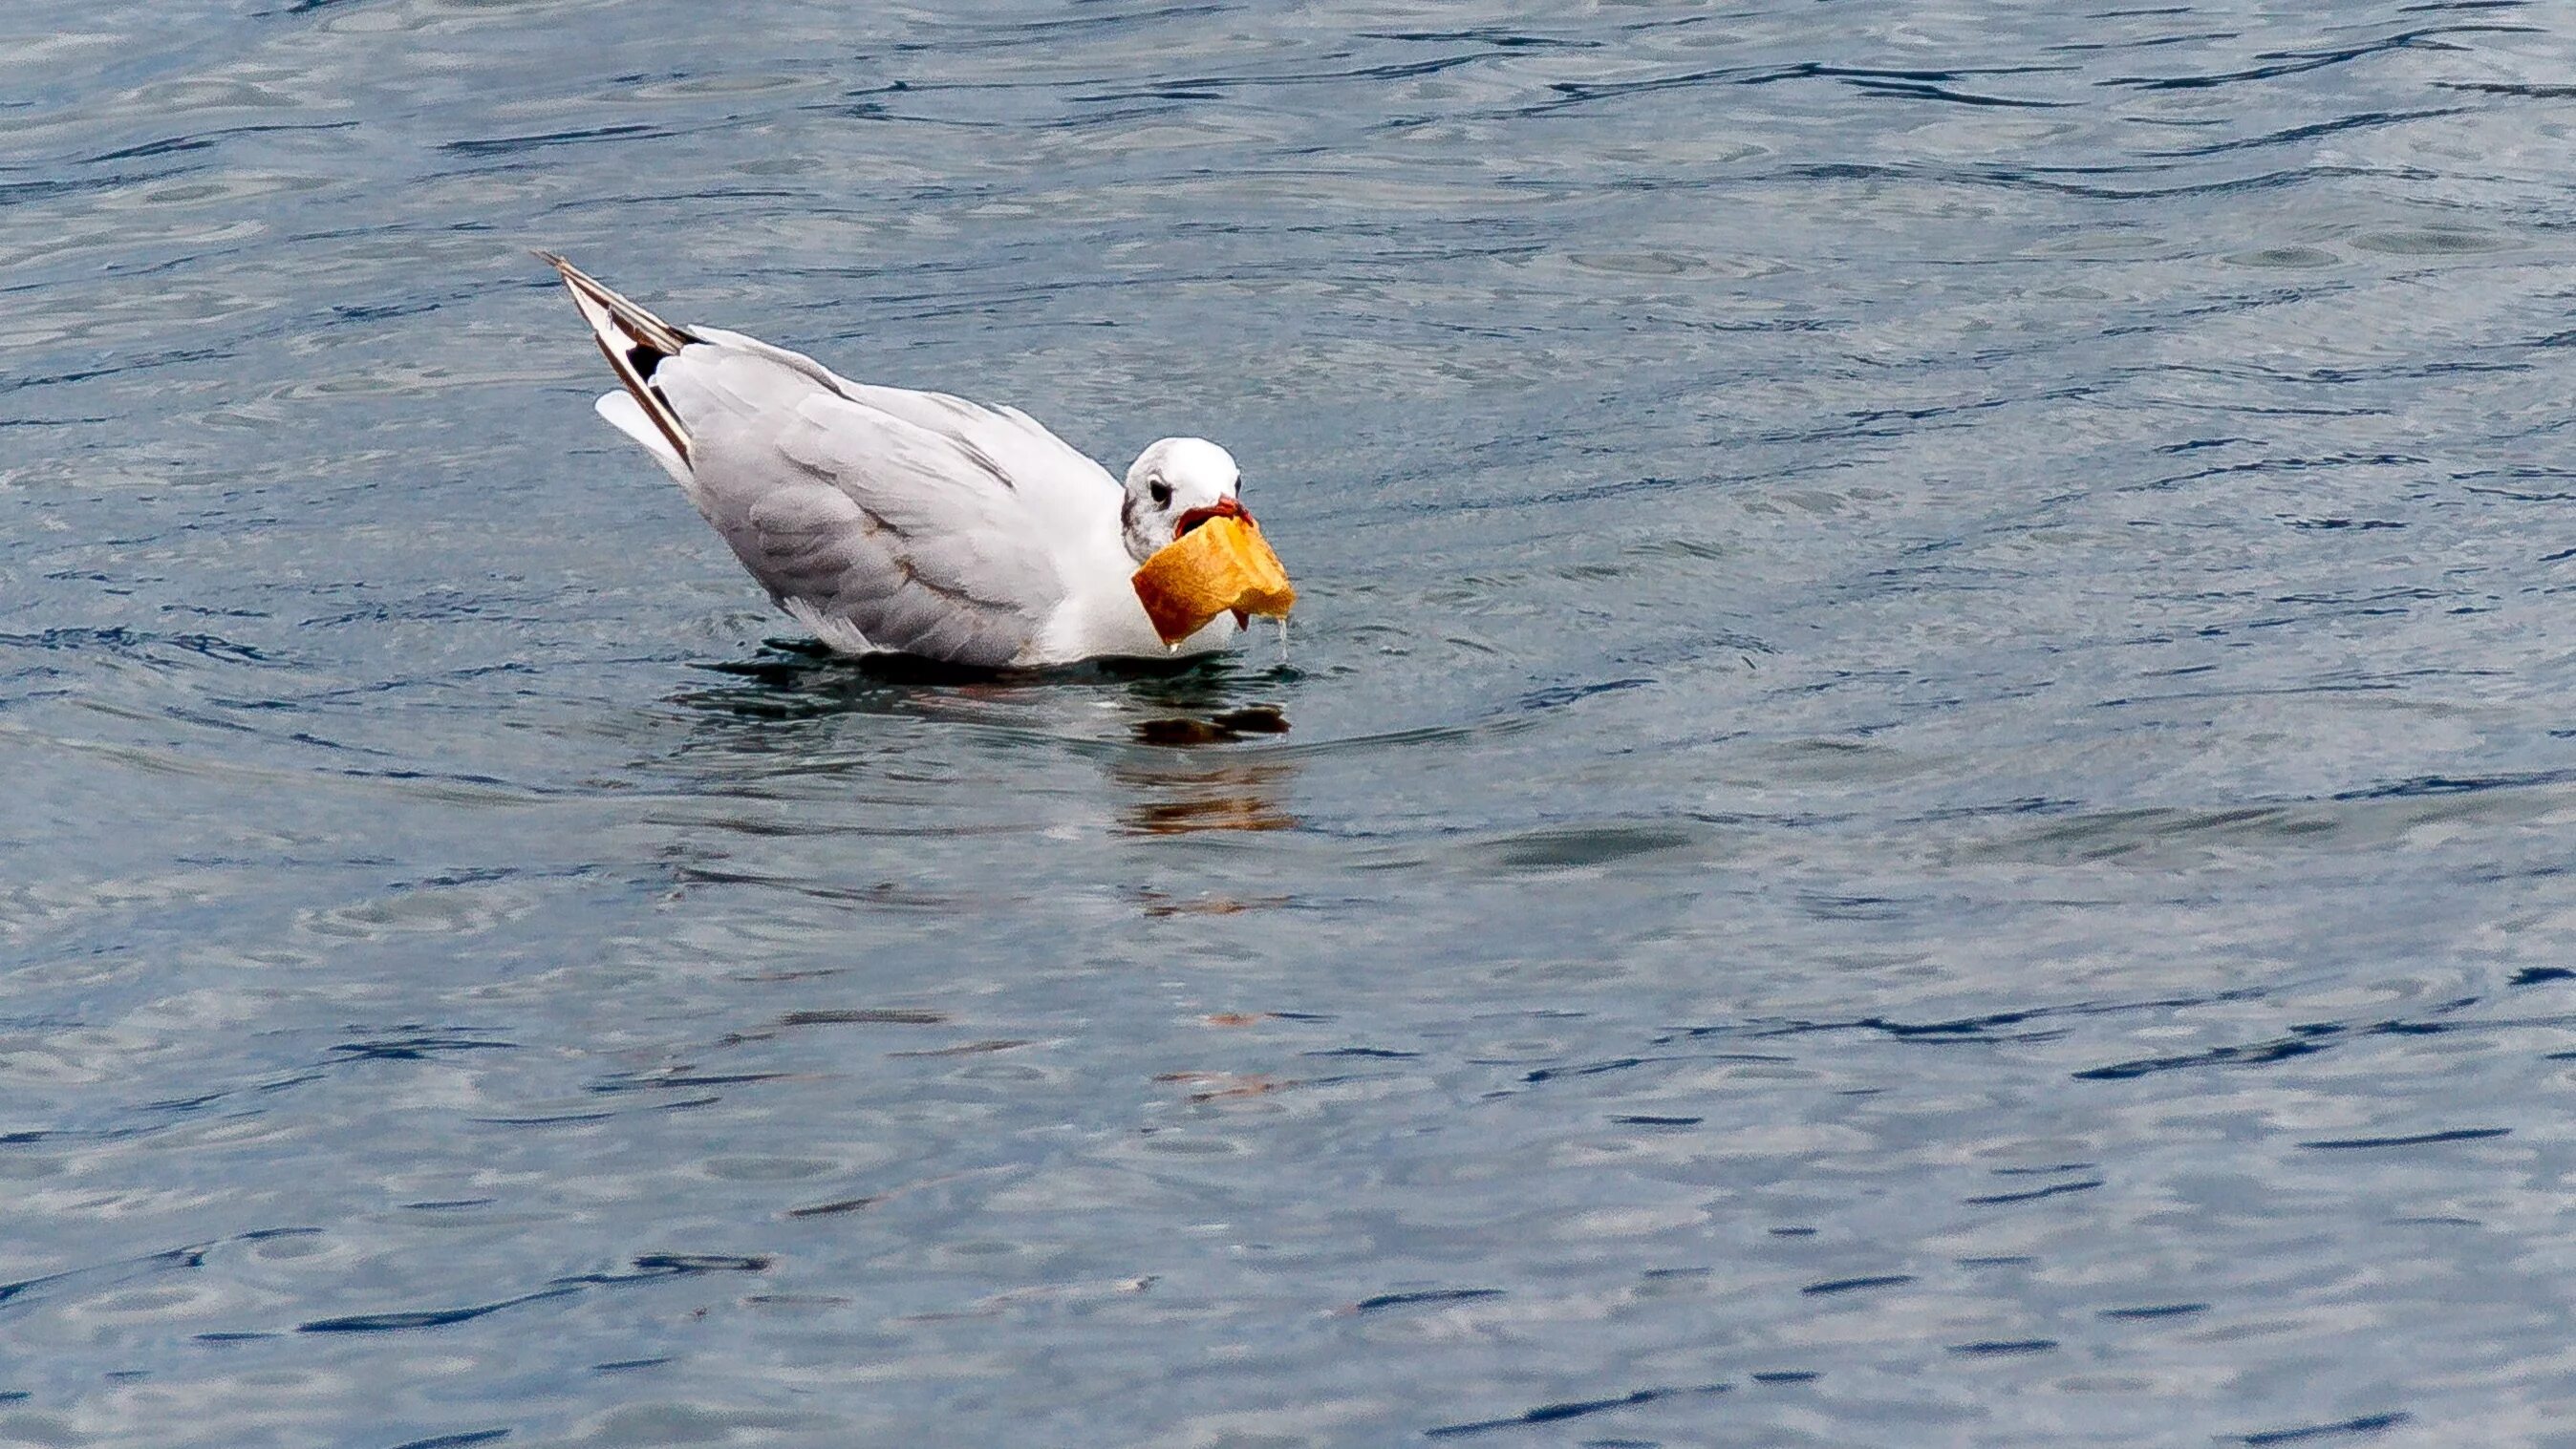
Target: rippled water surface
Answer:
pixel 1929 794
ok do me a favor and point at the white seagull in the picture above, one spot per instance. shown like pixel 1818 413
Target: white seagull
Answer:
pixel 892 521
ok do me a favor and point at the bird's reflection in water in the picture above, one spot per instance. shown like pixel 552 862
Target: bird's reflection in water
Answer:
pixel 1182 794
pixel 1221 727
pixel 1180 789
pixel 795 680
pixel 1200 768
pixel 791 680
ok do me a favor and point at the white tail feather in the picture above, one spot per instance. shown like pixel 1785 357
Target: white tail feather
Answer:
pixel 627 416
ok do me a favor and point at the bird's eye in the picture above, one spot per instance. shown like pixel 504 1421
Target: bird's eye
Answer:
pixel 1161 493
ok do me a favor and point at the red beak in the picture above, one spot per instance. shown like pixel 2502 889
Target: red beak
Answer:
pixel 1222 508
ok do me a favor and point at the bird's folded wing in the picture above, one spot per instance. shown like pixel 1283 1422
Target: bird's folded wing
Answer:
pixel 914 537
pixel 1053 479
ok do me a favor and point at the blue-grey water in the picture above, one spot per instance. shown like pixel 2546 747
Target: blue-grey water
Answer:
pixel 1929 795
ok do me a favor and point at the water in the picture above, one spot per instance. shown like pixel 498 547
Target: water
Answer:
pixel 1926 797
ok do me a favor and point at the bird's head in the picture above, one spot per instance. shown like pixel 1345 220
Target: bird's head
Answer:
pixel 1176 485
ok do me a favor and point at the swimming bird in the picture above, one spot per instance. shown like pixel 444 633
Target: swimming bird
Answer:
pixel 892 521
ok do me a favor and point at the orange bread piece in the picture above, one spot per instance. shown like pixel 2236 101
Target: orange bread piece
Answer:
pixel 1223 564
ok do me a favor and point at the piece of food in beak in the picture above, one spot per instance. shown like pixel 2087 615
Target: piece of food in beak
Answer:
pixel 1222 564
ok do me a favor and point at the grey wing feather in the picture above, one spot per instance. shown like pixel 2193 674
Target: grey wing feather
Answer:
pixel 1051 472
pixel 908 534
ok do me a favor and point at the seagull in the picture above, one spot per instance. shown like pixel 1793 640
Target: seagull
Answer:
pixel 889 521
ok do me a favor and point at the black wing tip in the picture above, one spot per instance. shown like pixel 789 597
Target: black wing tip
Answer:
pixel 572 275
pixel 663 337
pixel 634 341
